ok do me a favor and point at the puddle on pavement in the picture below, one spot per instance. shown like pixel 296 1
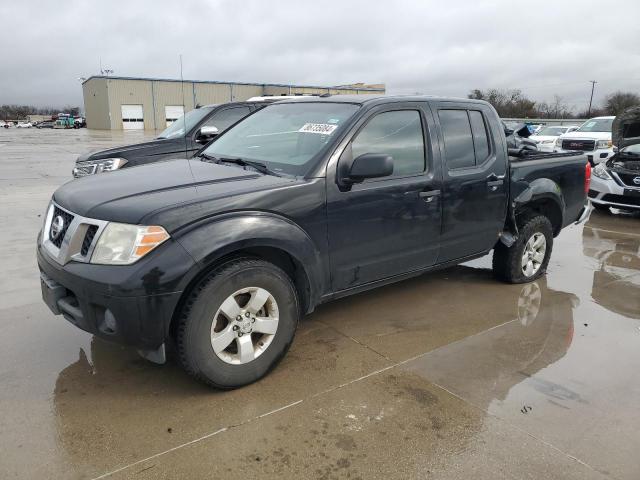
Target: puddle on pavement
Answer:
pixel 566 368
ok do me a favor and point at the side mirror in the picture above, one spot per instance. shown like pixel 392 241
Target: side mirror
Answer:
pixel 368 165
pixel 206 133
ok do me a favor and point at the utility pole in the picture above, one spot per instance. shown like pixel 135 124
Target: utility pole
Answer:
pixel 593 85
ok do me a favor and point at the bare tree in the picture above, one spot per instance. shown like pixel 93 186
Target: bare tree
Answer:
pixel 19 112
pixel 618 102
pixel 508 103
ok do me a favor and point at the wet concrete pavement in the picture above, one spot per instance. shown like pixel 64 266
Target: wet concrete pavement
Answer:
pixel 449 375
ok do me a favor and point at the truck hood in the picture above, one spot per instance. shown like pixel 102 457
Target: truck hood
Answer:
pixel 587 135
pixel 130 195
pixel 121 151
pixel 626 128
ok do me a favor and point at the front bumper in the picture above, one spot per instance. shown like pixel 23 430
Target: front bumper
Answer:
pixel 131 305
pixel 593 156
pixel 609 193
pixel 546 147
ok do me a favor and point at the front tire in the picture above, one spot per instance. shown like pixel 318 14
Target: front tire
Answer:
pixel 528 257
pixel 237 323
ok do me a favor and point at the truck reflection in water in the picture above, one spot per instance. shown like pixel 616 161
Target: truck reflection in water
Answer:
pixel 614 242
pixel 487 366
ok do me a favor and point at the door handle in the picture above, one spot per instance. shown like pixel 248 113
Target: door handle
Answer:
pixel 429 195
pixel 494 181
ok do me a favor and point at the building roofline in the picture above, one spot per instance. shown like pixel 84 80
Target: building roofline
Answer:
pixel 217 82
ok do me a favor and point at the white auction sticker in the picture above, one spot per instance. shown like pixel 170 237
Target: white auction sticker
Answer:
pixel 321 128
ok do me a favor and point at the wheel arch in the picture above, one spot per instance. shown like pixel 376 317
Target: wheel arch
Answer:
pixel 542 197
pixel 268 237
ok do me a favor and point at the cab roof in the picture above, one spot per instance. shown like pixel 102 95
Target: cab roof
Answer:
pixel 370 99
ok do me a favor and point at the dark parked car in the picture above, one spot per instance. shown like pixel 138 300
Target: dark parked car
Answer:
pixel 200 125
pixel 300 203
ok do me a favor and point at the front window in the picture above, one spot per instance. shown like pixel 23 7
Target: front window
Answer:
pixel 552 131
pixel 225 118
pixel 284 137
pixel 188 120
pixel 596 125
pixel 397 133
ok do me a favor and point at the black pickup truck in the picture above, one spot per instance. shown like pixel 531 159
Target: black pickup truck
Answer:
pixel 300 203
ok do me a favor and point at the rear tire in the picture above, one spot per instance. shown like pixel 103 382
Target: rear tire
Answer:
pixel 237 323
pixel 528 257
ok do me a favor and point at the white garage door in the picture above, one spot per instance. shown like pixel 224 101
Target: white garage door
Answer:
pixel 172 113
pixel 132 118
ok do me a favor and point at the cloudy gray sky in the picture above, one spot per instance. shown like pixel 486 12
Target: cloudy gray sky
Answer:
pixel 432 47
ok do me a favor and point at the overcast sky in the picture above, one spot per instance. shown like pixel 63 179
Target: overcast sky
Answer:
pixel 431 47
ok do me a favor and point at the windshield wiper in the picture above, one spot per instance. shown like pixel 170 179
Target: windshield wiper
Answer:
pixel 261 167
pixel 208 158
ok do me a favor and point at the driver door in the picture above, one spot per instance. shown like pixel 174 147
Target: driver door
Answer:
pixel 386 226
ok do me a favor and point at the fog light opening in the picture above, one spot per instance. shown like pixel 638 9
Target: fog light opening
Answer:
pixel 108 325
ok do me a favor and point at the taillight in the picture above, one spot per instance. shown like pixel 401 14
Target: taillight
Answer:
pixel 587 177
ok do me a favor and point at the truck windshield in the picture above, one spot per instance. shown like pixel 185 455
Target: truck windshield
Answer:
pixel 552 131
pixel 596 125
pixel 284 137
pixel 177 128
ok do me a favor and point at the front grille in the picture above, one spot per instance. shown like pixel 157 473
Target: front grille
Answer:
pixel 57 236
pixel 623 199
pixel 628 178
pixel 88 239
pixel 583 145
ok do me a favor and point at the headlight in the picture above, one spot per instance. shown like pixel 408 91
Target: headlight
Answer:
pixel 604 144
pixel 98 166
pixel 601 172
pixel 122 244
pixel 559 142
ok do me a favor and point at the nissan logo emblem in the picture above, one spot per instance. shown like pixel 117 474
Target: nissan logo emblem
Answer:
pixel 57 225
pixel 636 180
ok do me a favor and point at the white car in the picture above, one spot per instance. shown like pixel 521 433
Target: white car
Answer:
pixel 24 125
pixel 546 136
pixel 593 137
pixel 616 182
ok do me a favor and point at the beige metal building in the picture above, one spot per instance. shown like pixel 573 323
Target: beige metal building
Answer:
pixel 117 103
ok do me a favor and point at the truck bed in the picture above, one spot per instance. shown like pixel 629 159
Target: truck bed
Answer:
pixel 545 155
pixel 560 173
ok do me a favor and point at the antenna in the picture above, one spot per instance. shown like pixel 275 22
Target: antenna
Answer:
pixel 184 124
pixel 184 120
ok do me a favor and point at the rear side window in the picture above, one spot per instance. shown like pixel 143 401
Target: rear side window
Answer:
pixel 480 136
pixel 397 133
pixel 458 140
pixel 466 138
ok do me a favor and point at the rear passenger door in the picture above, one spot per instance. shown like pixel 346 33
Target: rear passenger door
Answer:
pixel 474 200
